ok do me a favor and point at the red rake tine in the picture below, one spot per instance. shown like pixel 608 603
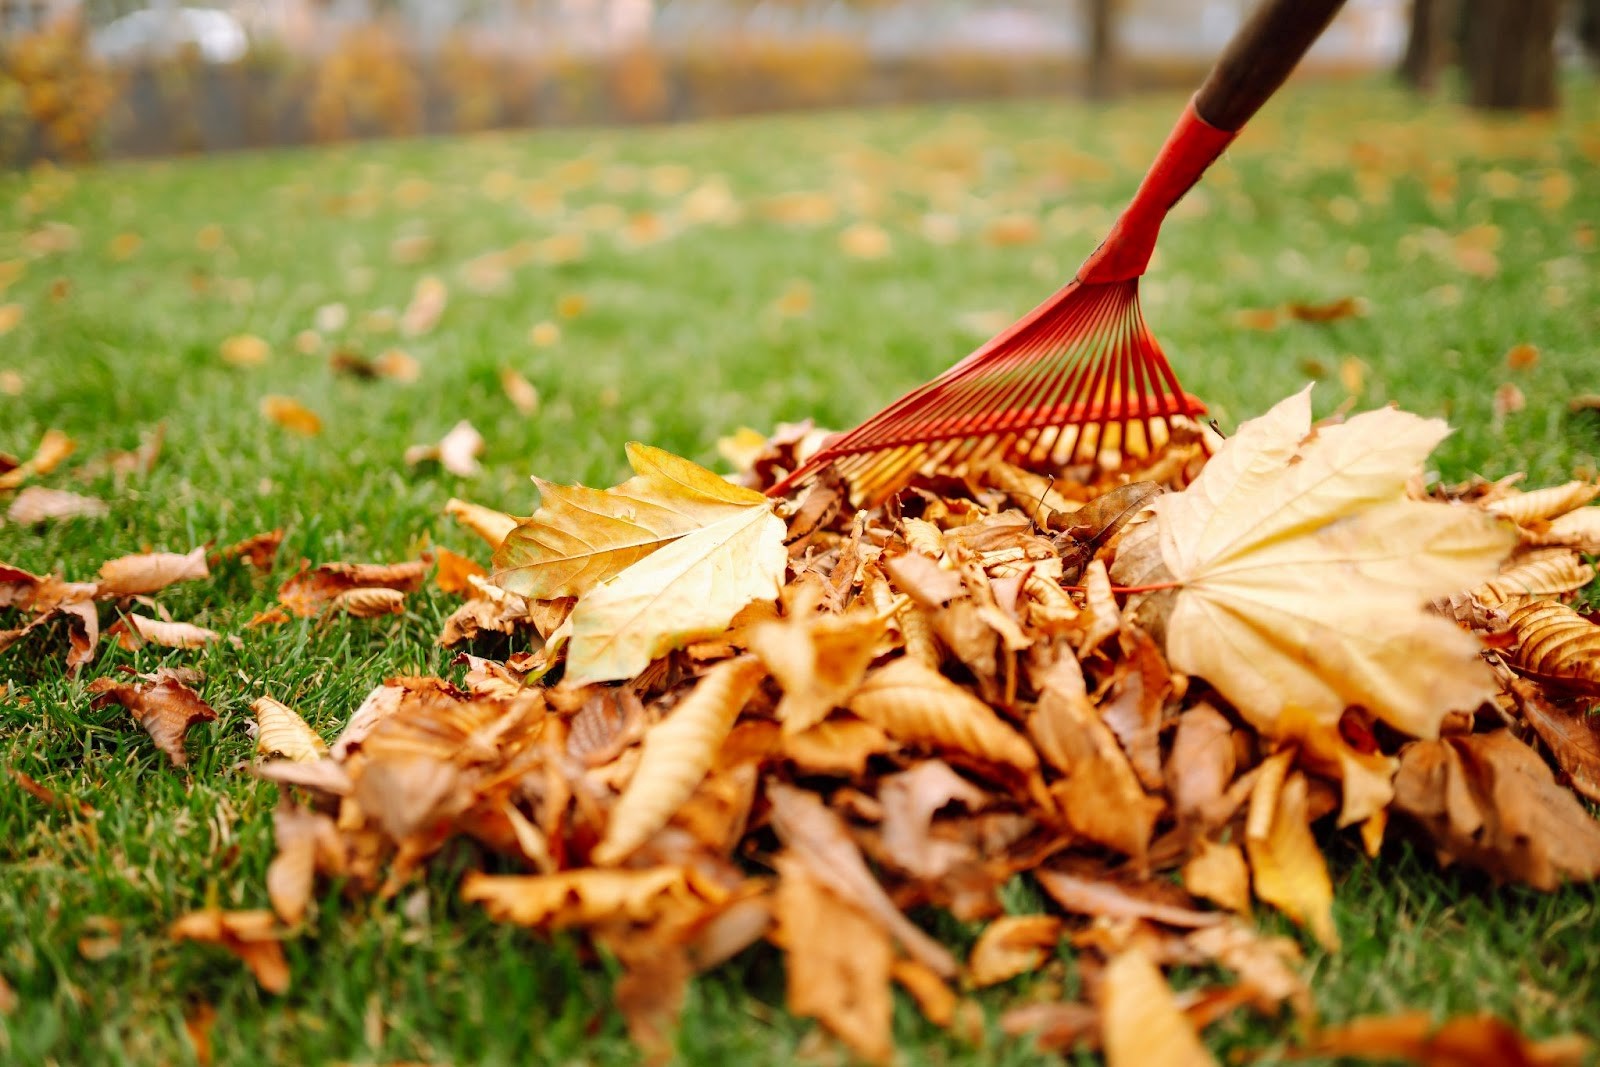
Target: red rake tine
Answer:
pixel 1083 363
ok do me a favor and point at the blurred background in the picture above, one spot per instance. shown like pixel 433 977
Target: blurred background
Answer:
pixel 82 79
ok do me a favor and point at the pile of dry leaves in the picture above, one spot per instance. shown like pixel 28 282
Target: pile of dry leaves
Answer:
pixel 741 719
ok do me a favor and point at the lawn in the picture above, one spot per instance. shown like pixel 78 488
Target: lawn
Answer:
pixel 719 282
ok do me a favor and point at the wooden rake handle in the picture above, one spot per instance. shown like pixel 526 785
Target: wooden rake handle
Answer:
pixel 1259 58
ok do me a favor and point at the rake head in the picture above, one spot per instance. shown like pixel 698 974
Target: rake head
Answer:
pixel 1079 379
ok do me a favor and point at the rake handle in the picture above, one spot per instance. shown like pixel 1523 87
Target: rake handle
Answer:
pixel 1259 58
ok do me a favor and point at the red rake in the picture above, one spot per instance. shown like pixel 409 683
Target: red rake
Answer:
pixel 1080 377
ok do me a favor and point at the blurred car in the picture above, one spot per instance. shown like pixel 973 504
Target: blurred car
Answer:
pixel 215 36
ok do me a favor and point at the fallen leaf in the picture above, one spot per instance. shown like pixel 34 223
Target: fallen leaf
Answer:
pixel 427 305
pixel 151 572
pixel 457 451
pixel 1303 571
pixel 1508 400
pixel 521 392
pixel 1102 899
pixel 678 751
pixel 1286 865
pixel 1542 505
pixel 1346 307
pixel 581 537
pixel 1461 1041
pixel 162 702
pixel 1538 573
pixel 252 936
pixel 584 897
pixel 1571 734
pixel 1488 800
pixel 910 799
pixel 690 589
pixel 133 630
pixel 864 240
pixel 1010 946
pixel 311 590
pixel 306 842
pixel 838 963
pixel 1218 873
pixel 915 704
pixel 369 602
pixel 259 550
pixel 818 660
pixel 1140 1023
pixel 840 745
pixel 245 350
pixel 35 505
pixel 455 572
pixel 1557 646
pixel 1522 357
pixel 280 731
pixel 54 447
pixel 493 526
pixel 292 415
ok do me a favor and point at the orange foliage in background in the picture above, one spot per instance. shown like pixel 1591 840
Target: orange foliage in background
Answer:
pixel 51 83
pixel 368 84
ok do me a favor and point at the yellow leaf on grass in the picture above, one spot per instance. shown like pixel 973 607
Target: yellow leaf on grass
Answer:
pixel 914 703
pixel 678 751
pixel 1012 945
pixel 1287 865
pixel 292 415
pixel 281 731
pixel 487 523
pixel 688 590
pixel 1305 571
pixel 1140 1023
pixel 1219 874
pixel 580 537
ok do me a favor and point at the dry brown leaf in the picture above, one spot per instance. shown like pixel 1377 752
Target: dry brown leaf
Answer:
pixel 1100 795
pixel 259 550
pixel 35 505
pixel 1305 569
pixel 1140 1023
pixel 1579 529
pixel 910 800
pixel 1346 307
pixel 162 703
pixel 1462 1041
pixel 935 999
pixel 915 704
pixel 521 392
pixel 819 839
pixel 280 731
pixel 1557 646
pixel 1542 505
pixel 307 841
pixel 455 572
pixel 310 590
pixel 457 451
pixel 54 447
pixel 369 602
pixel 585 897
pixel 135 631
pixel 840 745
pixel 1101 899
pixel 1522 357
pixel 838 962
pixel 427 305
pixel 865 240
pixel 1488 800
pixel 678 751
pixel 291 414
pixel 582 537
pixel 1010 946
pixel 1268 967
pixel 252 936
pixel 1218 873
pixel 150 572
pixel 1571 734
pixel 1285 863
pixel 1539 573
pixel 818 660
pixel 1056 1026
pixel 1200 767
pixel 491 525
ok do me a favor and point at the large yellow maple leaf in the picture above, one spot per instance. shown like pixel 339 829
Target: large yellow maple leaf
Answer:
pixel 1303 572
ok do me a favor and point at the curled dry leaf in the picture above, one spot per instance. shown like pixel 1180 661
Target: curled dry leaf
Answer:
pixel 54 447
pixel 581 537
pixel 1542 505
pixel 1303 572
pixel 1557 646
pixel 162 703
pixel 258 550
pixel 678 751
pixel 252 936
pixel 369 602
pixel 1462 1041
pixel 1572 734
pixel 1010 946
pixel 135 631
pixel 245 350
pixel 311 590
pixel 291 414
pixel 819 660
pixel 910 799
pixel 1490 801
pixel 457 451
pixel 151 572
pixel 840 745
pixel 280 731
pixel 584 897
pixel 491 525
pixel 35 505
pixel 1539 573
pixel 917 705
pixel 838 962
pixel 307 841
pixel 1101 899
pixel 1140 1023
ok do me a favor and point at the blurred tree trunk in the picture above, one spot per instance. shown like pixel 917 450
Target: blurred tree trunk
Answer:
pixel 1430 45
pixel 1102 15
pixel 1589 28
pixel 1510 53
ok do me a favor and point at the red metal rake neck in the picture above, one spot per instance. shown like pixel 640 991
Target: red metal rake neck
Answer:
pixel 1192 146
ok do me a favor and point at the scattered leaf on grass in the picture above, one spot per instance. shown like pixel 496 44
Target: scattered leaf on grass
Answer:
pixel 151 572
pixel 35 505
pixel 521 392
pixel 292 415
pixel 54 447
pixel 1461 1041
pixel 457 451
pixel 427 306
pixel 280 731
pixel 252 936
pixel 491 525
pixel 133 630
pixel 1012 945
pixel 162 702
pixel 245 350
pixel 311 590
pixel 1140 1023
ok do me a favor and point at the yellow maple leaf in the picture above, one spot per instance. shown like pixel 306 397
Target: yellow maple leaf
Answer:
pixel 1303 571
pixel 580 537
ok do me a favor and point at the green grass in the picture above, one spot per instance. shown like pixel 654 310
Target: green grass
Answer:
pixel 679 344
